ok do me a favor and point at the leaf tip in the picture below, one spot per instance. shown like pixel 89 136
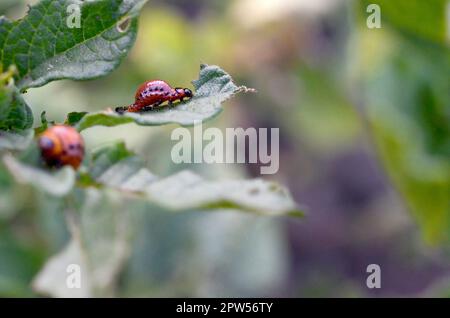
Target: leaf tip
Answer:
pixel 245 89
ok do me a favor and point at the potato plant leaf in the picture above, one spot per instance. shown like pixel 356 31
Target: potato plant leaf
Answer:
pixel 48 44
pixel 188 191
pixel 15 115
pixel 15 141
pixel 404 14
pixel 57 183
pixel 51 280
pixel 99 245
pixel 74 117
pixel 213 87
pixel 410 120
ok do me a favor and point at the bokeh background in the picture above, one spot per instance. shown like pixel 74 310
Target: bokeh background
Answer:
pixel 364 145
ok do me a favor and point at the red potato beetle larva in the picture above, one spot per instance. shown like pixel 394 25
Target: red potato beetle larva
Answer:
pixel 152 94
pixel 61 145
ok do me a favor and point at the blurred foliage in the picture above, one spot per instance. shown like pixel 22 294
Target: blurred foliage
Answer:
pixel 15 114
pixel 408 103
pixel 405 15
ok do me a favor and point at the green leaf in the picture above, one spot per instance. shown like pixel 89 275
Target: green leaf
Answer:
pixel 52 278
pixel 44 124
pixel 15 141
pixel 106 156
pixel 14 112
pixel 74 117
pixel 105 118
pixel 422 19
pixel 213 87
pixel 114 167
pixel 99 246
pixel 56 183
pixel 410 122
pixel 19 263
pixel 44 48
pixel 187 190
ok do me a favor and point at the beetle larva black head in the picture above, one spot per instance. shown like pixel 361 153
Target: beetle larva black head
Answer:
pixel 120 110
pixel 187 92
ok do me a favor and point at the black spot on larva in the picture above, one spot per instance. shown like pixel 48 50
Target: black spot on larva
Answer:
pixel 120 109
pixel 161 89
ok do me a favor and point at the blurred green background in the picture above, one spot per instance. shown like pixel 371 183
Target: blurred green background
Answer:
pixel 364 118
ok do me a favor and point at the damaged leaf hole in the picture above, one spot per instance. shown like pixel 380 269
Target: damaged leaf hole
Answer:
pixel 124 24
